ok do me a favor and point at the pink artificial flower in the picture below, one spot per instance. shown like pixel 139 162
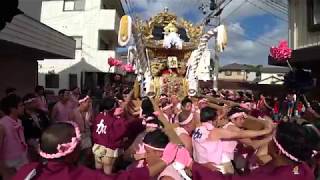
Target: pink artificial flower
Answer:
pixel 127 68
pixel 111 61
pixel 282 52
pixel 118 62
pixel 114 62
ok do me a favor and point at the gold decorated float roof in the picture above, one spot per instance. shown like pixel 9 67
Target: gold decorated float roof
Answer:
pixel 163 19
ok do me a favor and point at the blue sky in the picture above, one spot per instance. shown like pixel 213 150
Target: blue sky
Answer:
pixel 252 29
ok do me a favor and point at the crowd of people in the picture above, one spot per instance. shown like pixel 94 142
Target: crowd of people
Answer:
pixel 277 107
pixel 163 138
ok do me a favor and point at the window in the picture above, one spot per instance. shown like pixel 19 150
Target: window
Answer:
pixel 73 5
pixel 107 40
pixel 78 40
pixel 73 81
pixel 239 73
pixel 227 73
pixel 313 12
pixel 103 45
pixel 52 81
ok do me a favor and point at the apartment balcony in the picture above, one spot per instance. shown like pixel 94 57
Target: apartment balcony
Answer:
pixel 108 19
pixel 113 4
pixel 116 6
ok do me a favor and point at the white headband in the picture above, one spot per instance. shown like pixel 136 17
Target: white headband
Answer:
pixel 239 114
pixel 188 120
pixel 83 99
pixel 29 100
pixel 284 152
pixel 167 107
pixel 151 125
pixel 162 97
pixel 154 148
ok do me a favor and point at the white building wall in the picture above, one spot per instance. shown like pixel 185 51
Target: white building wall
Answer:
pixel 251 76
pixel 271 78
pixel 235 75
pixel 87 24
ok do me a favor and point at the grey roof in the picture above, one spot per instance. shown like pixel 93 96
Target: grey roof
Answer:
pixel 236 67
pixel 274 69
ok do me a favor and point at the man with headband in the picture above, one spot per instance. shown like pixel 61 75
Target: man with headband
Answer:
pixel 168 110
pixel 60 146
pixel 154 144
pixel 208 141
pixel 187 124
pixel 34 121
pixel 82 115
pixel 290 148
pixel 237 117
pixel 109 130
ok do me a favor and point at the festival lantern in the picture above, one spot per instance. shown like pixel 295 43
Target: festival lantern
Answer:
pixel 125 30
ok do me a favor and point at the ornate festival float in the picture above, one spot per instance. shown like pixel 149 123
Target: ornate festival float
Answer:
pixel 168 53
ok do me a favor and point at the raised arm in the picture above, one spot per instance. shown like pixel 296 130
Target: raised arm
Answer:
pixel 237 134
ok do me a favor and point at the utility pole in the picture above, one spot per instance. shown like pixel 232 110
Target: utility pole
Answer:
pixel 216 69
pixel 216 61
pixel 216 7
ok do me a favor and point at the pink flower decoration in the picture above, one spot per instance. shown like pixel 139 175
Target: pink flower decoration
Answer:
pixel 127 68
pixel 114 62
pixel 111 61
pixel 282 52
pixel 118 62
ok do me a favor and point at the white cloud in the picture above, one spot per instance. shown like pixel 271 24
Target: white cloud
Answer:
pixel 243 50
pixel 149 8
pixel 235 10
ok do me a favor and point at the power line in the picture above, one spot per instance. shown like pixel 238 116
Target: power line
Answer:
pixel 280 3
pixel 217 10
pixel 235 10
pixel 252 39
pixel 274 7
pixel 283 7
pixel 255 5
